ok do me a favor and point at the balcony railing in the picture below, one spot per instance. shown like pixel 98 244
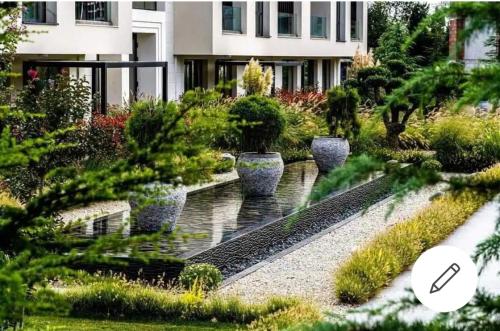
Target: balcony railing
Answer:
pixel 318 27
pixel 231 19
pixel 287 24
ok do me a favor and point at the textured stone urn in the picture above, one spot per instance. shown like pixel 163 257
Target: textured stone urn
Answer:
pixel 259 173
pixel 166 208
pixel 329 152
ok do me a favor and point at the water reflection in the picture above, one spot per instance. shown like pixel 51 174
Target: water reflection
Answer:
pixel 218 213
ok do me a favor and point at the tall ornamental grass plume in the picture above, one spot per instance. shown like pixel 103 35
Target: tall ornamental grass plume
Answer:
pixel 255 80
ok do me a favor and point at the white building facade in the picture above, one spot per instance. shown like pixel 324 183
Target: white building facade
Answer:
pixel 308 44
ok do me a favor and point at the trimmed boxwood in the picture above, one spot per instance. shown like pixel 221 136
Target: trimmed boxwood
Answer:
pixel 263 122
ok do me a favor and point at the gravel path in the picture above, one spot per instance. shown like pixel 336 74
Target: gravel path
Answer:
pixel 307 272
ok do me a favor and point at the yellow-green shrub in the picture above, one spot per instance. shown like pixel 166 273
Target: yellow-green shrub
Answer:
pixel 286 318
pixel 375 265
pixel 119 299
pixel 7 200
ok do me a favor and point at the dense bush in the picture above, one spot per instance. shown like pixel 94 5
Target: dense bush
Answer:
pixel 118 299
pixel 59 106
pixel 342 117
pixel 205 275
pixel 263 122
pixel 146 120
pixel 375 265
pixel 106 137
pixel 301 128
pixel 432 165
pixel 466 143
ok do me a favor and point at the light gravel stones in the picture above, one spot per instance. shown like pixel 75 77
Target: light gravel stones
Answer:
pixel 307 271
pixel 259 173
pixel 329 152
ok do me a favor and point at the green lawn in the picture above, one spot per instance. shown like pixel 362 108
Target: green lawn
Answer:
pixel 63 323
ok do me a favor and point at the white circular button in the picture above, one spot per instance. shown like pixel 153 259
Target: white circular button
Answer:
pixel 444 278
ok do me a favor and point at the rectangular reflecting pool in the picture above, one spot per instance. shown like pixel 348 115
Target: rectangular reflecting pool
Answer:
pixel 215 215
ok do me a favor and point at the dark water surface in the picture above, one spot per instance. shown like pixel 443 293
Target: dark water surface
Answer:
pixel 217 214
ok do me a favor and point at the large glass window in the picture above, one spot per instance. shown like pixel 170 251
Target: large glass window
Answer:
pixel 287 78
pixel 231 16
pixel 97 11
pixel 356 20
pixel 194 74
pixel 289 18
pixel 326 74
pixel 341 21
pixel 308 79
pixel 144 5
pixel 320 17
pixel 262 19
pixel 40 12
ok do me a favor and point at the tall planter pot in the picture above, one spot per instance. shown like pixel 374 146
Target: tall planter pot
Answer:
pixel 165 210
pixel 259 173
pixel 329 152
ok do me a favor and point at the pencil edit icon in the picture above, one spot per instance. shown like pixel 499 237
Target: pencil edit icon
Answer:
pixel 445 278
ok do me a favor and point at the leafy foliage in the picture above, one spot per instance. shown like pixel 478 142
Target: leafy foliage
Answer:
pixel 262 122
pixel 118 299
pixel 201 274
pixel 466 143
pixel 342 113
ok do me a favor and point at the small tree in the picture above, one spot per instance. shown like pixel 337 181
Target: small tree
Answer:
pixel 262 124
pixel 342 113
pixel 255 80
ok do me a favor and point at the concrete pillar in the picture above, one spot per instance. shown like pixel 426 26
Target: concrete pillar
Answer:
pixel 318 74
pixel 273 19
pixel 298 78
pixel 239 75
pixel 278 77
pixel 211 74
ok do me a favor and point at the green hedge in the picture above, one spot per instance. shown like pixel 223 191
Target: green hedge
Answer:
pixel 375 265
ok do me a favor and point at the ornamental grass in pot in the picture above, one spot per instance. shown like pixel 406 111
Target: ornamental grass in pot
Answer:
pixel 261 123
pixel 158 205
pixel 331 151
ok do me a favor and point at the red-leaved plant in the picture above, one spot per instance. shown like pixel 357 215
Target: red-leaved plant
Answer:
pixel 310 101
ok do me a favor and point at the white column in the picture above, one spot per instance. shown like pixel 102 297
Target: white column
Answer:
pixel 318 74
pixel 273 19
pixel 239 75
pixel 278 77
pixel 298 77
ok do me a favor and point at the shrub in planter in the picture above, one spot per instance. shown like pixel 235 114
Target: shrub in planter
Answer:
pixel 262 123
pixel 161 204
pixel 332 151
pixel 201 274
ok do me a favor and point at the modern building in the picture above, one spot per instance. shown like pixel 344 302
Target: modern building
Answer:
pixel 308 44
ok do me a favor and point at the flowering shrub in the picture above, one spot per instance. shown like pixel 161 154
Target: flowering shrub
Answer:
pixel 106 136
pixel 310 101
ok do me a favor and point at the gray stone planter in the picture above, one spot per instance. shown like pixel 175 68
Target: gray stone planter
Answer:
pixel 166 207
pixel 259 173
pixel 329 152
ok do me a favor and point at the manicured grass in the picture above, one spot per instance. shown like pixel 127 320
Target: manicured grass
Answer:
pixel 375 265
pixel 74 324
